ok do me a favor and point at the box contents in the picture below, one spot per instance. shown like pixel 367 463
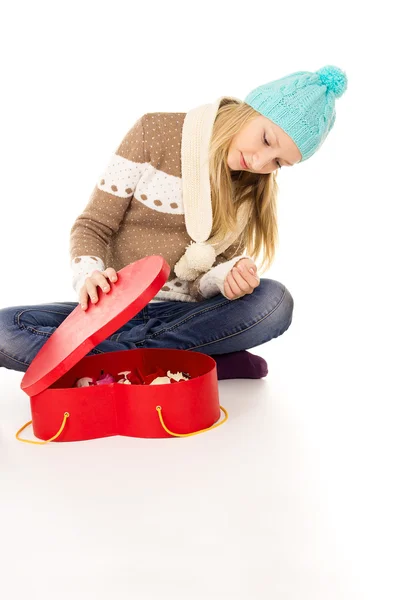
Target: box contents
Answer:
pixel 64 413
pixel 128 377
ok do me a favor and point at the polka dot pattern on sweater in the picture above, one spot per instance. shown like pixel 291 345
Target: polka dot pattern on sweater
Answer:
pixel 136 208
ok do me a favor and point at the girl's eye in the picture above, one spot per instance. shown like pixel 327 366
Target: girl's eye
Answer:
pixel 277 162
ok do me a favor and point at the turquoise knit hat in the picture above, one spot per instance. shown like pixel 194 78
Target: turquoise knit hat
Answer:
pixel 302 104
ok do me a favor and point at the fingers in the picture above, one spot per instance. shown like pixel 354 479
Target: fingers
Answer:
pixel 245 281
pixel 236 290
pixel 227 290
pixel 239 280
pixel 111 274
pixel 100 278
pixel 96 279
pixel 83 296
pixel 91 289
pixel 252 278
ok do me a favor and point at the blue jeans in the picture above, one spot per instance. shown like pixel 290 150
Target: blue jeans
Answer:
pixel 214 326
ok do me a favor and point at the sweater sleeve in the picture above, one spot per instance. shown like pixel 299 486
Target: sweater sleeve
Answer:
pixel 92 230
pixel 211 283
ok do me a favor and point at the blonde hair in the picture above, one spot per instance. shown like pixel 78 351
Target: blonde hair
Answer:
pixel 229 189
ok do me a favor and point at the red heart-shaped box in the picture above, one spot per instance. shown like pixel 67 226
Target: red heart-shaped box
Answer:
pixel 115 408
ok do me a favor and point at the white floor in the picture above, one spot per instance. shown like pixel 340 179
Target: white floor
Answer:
pixel 284 501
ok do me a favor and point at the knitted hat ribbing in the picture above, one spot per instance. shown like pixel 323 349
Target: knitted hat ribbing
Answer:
pixel 302 104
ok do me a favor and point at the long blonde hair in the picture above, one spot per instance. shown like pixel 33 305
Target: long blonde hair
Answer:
pixel 229 189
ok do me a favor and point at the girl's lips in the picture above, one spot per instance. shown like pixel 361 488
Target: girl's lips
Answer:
pixel 242 161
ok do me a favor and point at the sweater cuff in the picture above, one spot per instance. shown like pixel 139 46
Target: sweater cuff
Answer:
pixel 82 267
pixel 212 282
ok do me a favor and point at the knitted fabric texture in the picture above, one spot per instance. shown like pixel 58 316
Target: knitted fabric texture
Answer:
pixel 302 104
pixel 137 209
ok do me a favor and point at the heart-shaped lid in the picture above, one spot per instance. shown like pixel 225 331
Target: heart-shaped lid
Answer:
pixel 82 331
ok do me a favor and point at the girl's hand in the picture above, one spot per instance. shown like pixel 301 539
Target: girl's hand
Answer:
pixel 240 280
pixel 89 288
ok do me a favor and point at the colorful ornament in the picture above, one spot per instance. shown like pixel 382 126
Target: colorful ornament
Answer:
pixel 156 378
pixel 84 382
pixel 178 376
pixel 105 378
pixel 160 380
pixel 124 378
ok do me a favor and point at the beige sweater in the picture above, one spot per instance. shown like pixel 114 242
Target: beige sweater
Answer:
pixel 136 209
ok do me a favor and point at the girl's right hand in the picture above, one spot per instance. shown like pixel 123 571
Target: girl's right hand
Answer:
pixel 89 288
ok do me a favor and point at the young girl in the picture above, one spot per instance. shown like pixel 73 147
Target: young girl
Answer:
pixel 199 189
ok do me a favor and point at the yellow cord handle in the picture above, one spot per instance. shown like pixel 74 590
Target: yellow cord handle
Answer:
pixel 66 415
pixel 159 409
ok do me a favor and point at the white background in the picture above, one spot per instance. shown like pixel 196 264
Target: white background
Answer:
pixel 295 497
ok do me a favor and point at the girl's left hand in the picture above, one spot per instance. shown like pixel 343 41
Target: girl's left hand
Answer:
pixel 240 281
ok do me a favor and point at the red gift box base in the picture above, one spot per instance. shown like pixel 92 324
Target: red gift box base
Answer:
pixel 116 408
pixel 129 410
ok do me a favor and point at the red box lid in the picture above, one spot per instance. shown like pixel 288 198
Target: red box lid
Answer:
pixel 82 331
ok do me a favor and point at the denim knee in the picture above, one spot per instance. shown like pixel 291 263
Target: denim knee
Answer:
pixel 274 296
pixel 7 331
pixel 6 323
pixel 286 309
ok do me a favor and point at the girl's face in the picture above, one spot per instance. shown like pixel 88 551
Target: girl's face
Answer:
pixel 251 143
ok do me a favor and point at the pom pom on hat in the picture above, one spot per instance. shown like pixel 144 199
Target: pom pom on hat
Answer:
pixel 334 78
pixel 198 258
pixel 302 104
